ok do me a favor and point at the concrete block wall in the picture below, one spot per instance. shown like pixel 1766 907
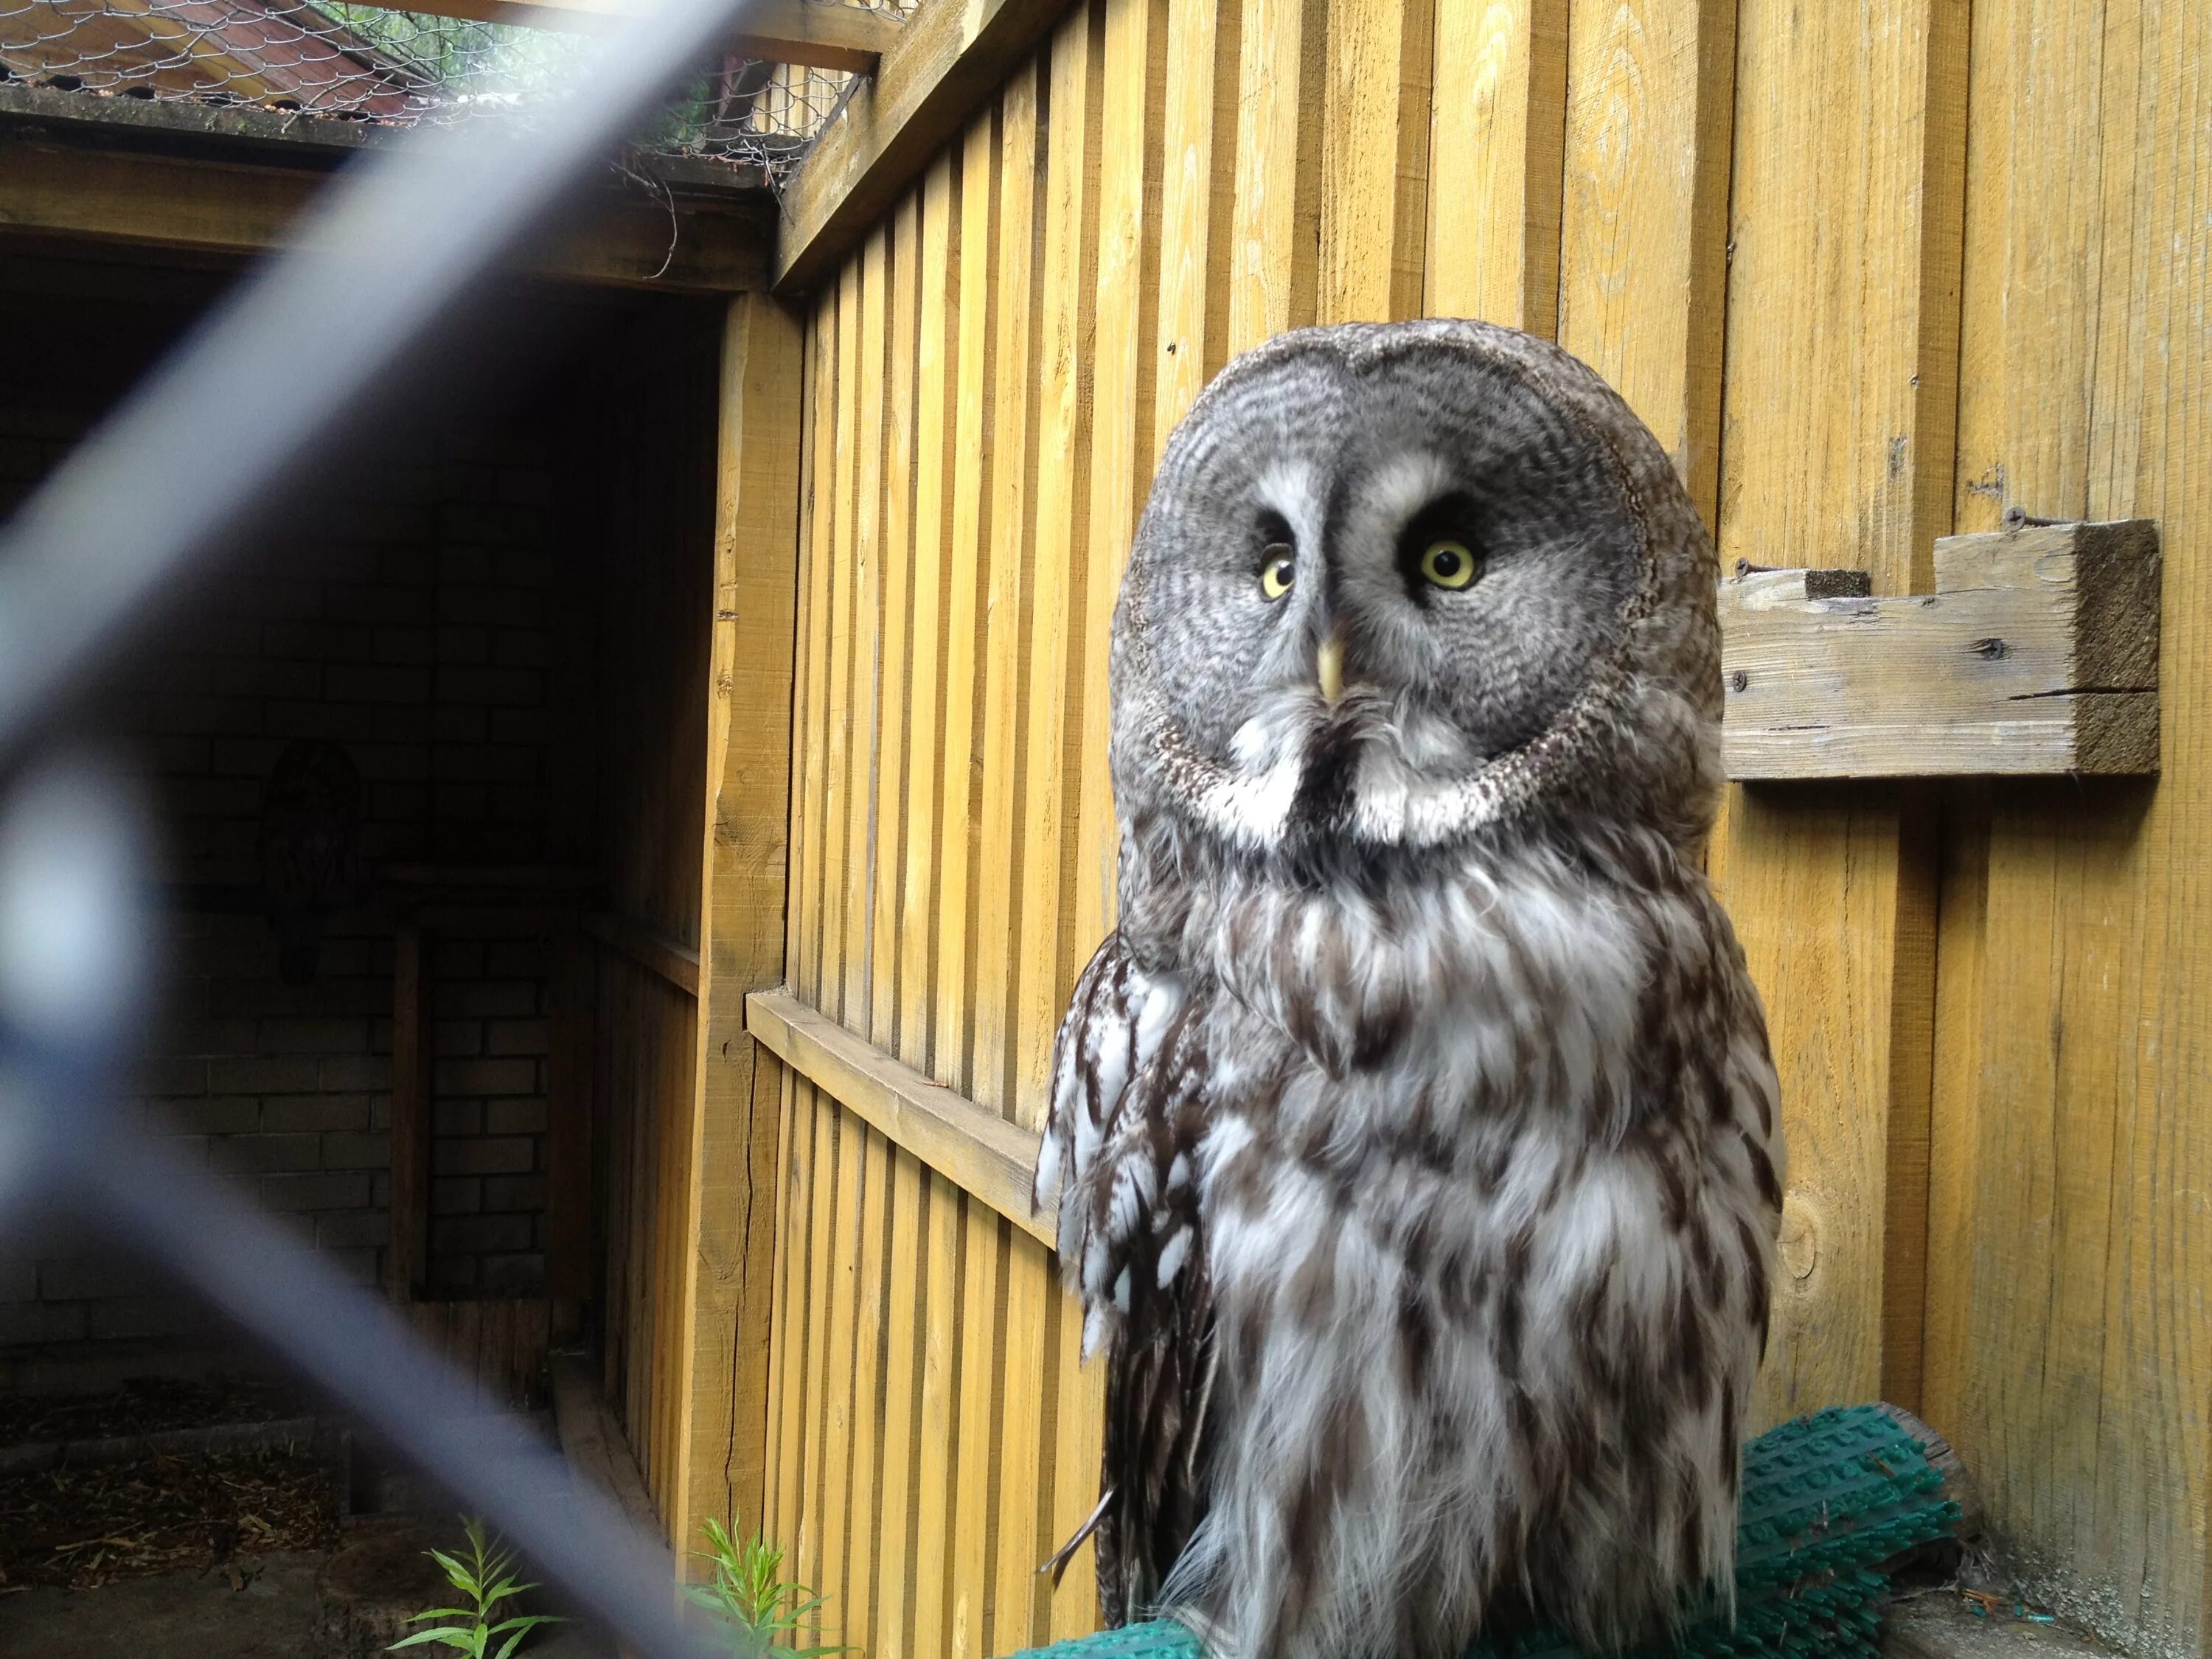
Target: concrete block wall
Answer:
pixel 415 614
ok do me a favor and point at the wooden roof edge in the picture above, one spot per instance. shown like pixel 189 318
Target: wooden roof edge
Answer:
pixel 247 133
pixel 950 60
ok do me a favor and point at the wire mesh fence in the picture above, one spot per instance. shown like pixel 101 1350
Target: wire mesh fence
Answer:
pixel 341 62
pixel 85 565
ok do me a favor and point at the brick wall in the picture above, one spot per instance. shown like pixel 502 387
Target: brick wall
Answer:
pixel 414 614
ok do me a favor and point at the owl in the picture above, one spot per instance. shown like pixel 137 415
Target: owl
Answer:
pixel 1414 1134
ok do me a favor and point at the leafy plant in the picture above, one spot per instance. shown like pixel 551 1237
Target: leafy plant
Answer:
pixel 749 1601
pixel 486 1577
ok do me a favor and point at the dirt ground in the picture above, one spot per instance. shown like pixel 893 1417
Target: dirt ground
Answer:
pixel 195 1614
pixel 189 1614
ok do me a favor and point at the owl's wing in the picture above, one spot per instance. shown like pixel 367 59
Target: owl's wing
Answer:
pixel 1128 1108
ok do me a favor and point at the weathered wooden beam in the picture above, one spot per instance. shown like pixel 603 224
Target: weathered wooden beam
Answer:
pixel 592 1440
pixel 822 33
pixel 952 56
pixel 678 964
pixel 737 1105
pixel 2037 655
pixel 979 1152
pixel 169 202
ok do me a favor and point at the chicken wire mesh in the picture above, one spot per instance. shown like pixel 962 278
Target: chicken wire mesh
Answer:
pixel 341 62
pixel 86 564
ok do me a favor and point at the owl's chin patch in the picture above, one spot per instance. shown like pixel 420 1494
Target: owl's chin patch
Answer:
pixel 1315 781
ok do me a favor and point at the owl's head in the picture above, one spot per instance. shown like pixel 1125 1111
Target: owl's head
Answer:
pixel 1400 585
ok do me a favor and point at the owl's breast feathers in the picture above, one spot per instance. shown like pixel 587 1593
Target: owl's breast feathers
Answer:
pixel 1428 1233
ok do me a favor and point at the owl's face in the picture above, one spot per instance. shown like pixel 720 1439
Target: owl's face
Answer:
pixel 1388 578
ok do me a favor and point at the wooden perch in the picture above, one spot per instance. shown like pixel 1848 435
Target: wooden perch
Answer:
pixel 2036 655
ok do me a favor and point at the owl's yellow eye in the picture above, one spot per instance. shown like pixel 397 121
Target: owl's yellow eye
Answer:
pixel 1277 574
pixel 1447 564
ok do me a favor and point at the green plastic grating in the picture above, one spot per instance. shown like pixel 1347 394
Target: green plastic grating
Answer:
pixel 1826 1500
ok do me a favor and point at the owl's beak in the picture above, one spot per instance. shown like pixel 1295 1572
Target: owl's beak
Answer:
pixel 1328 668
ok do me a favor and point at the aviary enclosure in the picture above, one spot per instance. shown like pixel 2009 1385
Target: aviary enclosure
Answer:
pixel 1879 273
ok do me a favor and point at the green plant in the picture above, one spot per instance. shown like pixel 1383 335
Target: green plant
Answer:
pixel 748 1599
pixel 487 1578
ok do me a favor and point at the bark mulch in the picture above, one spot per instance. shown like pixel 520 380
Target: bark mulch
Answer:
pixel 146 1404
pixel 75 1528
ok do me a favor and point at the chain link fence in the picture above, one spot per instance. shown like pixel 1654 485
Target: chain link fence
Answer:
pixel 341 62
pixel 86 567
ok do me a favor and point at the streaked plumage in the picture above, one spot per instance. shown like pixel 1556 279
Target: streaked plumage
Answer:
pixel 1415 1133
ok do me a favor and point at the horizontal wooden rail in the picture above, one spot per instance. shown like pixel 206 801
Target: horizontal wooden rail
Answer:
pixel 653 952
pixel 976 1150
pixel 821 33
pixel 951 58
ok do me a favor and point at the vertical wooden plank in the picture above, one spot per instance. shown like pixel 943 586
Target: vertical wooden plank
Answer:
pixel 1128 281
pixel 795 1292
pixel 722 1370
pixel 807 911
pixel 1079 1445
pixel 1002 859
pixel 406 1251
pixel 812 1549
pixel 844 768
pixel 939 1423
pixel 937 381
pixel 774 1491
pixel 999 853
pixel 1375 166
pixel 1276 226
pixel 1053 712
pixel 1844 224
pixel 1496 148
pixel 872 1284
pixel 841 1314
pixel 980 1334
pixel 971 506
pixel 867 389
pixel 2068 1334
pixel 896 714
pixel 1198 203
pixel 907 1286
pixel 1021 1606
pixel 1644 256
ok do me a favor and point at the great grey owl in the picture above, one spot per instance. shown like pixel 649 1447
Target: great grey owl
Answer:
pixel 1415 1132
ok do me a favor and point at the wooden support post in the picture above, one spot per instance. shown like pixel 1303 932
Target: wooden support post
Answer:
pixel 406 1256
pixel 571 1246
pixel 722 1351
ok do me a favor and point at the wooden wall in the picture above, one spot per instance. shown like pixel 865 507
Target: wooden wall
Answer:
pixel 1872 276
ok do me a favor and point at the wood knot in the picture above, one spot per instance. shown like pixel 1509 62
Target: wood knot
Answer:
pixel 1798 1246
pixel 1989 648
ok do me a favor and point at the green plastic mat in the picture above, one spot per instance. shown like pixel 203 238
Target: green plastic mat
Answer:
pixel 1826 1500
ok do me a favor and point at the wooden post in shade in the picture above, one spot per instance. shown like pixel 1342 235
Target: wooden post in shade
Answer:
pixel 406 1255
pixel 571 1252
pixel 722 1336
